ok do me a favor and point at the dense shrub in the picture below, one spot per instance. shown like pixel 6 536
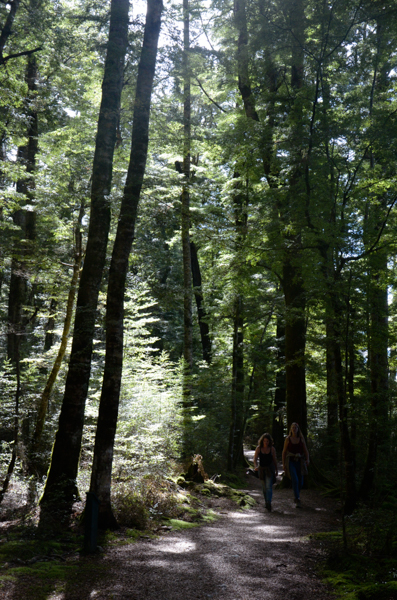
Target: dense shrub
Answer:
pixel 141 503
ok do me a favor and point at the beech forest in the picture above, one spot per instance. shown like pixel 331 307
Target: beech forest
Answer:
pixel 198 214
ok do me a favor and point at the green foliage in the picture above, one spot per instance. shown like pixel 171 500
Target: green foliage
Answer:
pixel 345 195
pixel 149 423
pixel 209 488
pixel 146 502
pixel 38 565
pixel 363 568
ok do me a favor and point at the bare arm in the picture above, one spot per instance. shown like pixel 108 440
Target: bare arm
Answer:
pixel 256 458
pixel 274 455
pixel 285 451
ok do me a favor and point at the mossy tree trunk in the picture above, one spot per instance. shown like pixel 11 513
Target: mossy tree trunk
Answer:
pixel 35 463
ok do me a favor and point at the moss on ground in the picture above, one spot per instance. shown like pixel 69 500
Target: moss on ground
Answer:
pixel 209 488
pixel 41 566
pixel 42 578
pixel 177 524
pixel 356 576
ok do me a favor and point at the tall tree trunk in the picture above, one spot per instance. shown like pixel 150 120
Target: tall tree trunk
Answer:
pixel 295 341
pixel 292 280
pixel 235 452
pixel 109 403
pixel 347 448
pixel 295 330
pixel 201 313
pixel 25 219
pixel 185 197
pixel 61 480
pixel 378 330
pixel 335 312
pixel 332 397
pixel 350 387
pixel 280 397
pixel 238 386
pixel 35 463
pixel 378 364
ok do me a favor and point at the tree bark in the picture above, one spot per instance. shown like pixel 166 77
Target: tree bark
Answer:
pixel 295 330
pixel 238 387
pixel 61 480
pixel 332 397
pixel 45 397
pixel 378 328
pixel 185 224
pixel 295 342
pixel 235 452
pixel 280 397
pixel 201 313
pixel 7 29
pixel 378 365
pixel 109 403
pixel 347 448
pixel 25 219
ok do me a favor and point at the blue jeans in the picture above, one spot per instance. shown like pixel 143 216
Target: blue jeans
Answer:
pixel 296 476
pixel 267 486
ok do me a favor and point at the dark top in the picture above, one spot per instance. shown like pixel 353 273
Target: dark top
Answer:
pixel 295 448
pixel 265 460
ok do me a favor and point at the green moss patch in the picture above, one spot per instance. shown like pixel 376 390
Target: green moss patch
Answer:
pixel 210 517
pixel 209 488
pixel 42 578
pixel 178 524
pixel 357 576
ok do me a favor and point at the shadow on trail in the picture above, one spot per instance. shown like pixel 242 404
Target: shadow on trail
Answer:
pixel 246 555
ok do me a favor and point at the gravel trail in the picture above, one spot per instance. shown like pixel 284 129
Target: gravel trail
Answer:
pixel 245 555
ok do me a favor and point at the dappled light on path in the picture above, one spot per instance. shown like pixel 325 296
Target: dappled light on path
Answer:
pixel 244 555
pixel 175 546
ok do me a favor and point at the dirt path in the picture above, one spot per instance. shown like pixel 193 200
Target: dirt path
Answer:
pixel 244 555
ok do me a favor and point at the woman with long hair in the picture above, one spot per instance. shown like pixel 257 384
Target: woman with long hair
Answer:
pixel 295 459
pixel 265 461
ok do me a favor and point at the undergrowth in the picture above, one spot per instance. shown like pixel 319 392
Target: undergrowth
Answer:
pixel 33 560
pixel 362 565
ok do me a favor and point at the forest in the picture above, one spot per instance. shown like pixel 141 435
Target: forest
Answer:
pixel 198 243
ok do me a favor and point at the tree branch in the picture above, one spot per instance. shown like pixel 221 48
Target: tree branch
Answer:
pixel 4 59
pixel 209 98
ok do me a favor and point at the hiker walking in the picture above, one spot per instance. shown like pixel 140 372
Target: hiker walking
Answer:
pixel 265 461
pixel 295 459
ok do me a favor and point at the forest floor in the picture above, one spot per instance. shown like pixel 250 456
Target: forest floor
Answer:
pixel 245 554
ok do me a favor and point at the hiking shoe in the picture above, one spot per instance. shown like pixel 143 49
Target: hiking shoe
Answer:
pixel 297 502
